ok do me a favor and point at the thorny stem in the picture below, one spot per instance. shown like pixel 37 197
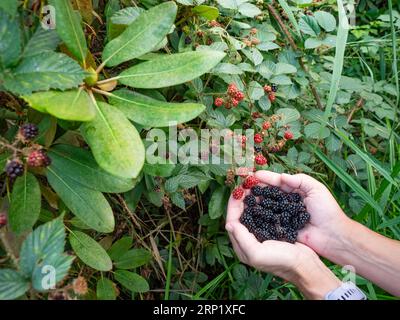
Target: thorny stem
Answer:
pixel 275 14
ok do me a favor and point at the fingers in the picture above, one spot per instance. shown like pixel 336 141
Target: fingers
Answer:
pixel 246 241
pixel 300 181
pixel 269 177
pixel 235 209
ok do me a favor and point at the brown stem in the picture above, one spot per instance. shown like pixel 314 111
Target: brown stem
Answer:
pixel 294 46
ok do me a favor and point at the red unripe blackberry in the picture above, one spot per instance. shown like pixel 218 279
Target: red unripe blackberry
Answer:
pixel 250 181
pixel 266 125
pixel 3 220
pixel 238 193
pixel 288 135
pixel 258 138
pixel 14 169
pixel 218 102
pixel 239 96
pixel 29 131
pixel 232 89
pixel 242 172
pixel 38 158
pixel 267 88
pixel 260 160
pixel 235 102
pixel 272 97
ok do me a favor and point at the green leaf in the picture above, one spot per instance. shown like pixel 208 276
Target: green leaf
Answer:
pixel 178 199
pixel 74 105
pixel 288 115
pixel 44 247
pixel 115 142
pixel 216 206
pixel 133 258
pixel 10 40
pixel 105 290
pixel 44 71
pixel 131 281
pixel 42 40
pixel 12 284
pixel 289 12
pixel 126 16
pixel 284 68
pixel 153 113
pixel 120 247
pixel 88 205
pixel 89 251
pixel 312 43
pixel 85 8
pixel 81 167
pixel 309 25
pixel 249 10
pixel 210 13
pixel 9 6
pixel 68 26
pixel 326 20
pixel 169 70
pixel 227 68
pixel 316 130
pixel 142 35
pixel 25 203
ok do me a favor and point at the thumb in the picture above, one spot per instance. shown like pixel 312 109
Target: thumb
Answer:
pixel 299 181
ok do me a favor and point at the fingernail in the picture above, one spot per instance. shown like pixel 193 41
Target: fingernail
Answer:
pixel 229 227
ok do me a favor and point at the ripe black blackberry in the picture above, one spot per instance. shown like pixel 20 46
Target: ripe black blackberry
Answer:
pixel 29 131
pixel 14 169
pixel 294 197
pixel 257 191
pixel 302 220
pixel 258 210
pixel 257 149
pixel 291 235
pixel 274 87
pixel 250 200
pixel 285 218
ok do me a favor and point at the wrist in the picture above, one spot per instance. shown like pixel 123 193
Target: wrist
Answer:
pixel 314 279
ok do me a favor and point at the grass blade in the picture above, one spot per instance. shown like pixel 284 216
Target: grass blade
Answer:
pixel 169 269
pixel 290 15
pixel 341 41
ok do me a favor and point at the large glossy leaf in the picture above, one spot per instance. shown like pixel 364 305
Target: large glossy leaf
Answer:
pixel 131 281
pixel 74 105
pixel 153 113
pixel 44 247
pixel 9 6
pixel 114 141
pixel 12 284
pixel 80 166
pixel 142 35
pixel 25 203
pixel 89 251
pixel 88 205
pixel 169 70
pixel 44 71
pixel 42 40
pixel 10 41
pixel 68 26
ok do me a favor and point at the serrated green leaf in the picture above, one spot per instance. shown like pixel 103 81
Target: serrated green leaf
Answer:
pixel 153 113
pixel 68 27
pixel 159 169
pixel 249 10
pixel 309 25
pixel 42 40
pixel 105 290
pixel 43 248
pixel 169 70
pixel 89 251
pixel 87 204
pixel 132 259
pixel 178 200
pixel 316 131
pixel 115 142
pixel 74 105
pixel 25 203
pixel 216 206
pixel 131 281
pixel 288 115
pixel 12 284
pixel 10 40
pixel 80 166
pixel 126 16
pixel 44 71
pixel 142 35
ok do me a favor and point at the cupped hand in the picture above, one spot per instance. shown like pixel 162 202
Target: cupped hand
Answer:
pixel 328 221
pixel 280 258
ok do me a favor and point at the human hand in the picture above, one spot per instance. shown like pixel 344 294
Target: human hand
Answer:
pixel 296 263
pixel 328 224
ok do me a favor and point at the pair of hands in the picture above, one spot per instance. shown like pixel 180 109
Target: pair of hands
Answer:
pixel 290 261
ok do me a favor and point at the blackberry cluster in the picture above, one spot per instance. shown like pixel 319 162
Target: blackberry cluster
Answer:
pixel 29 131
pixel 276 215
pixel 14 169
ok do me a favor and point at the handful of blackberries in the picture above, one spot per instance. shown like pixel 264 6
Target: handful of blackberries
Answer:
pixel 275 215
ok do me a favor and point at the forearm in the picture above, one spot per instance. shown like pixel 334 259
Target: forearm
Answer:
pixel 373 256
